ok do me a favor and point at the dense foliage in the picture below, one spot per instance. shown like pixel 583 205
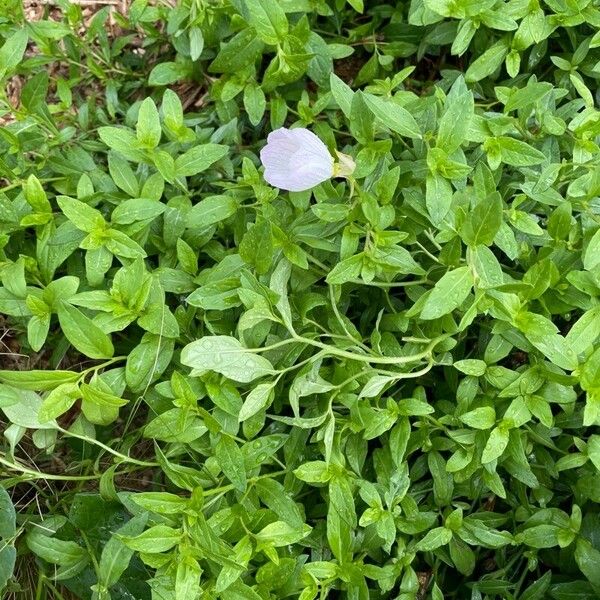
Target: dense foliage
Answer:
pixel 387 387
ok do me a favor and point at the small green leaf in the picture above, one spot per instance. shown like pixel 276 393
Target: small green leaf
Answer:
pixel 482 224
pixel 227 356
pixel 157 539
pixel 83 333
pixel 231 460
pixel 392 115
pixel 198 159
pixel 8 518
pixel 12 51
pixel 59 401
pixel 587 557
pixel 148 129
pixel 258 399
pixel 591 258
pixel 211 210
pixel 342 93
pixel 122 175
pixel 313 472
pixel 517 153
pixel 456 119
pixel 480 418
pixel 346 270
pixel 116 555
pixel 196 42
pixel 255 102
pixel 268 18
pixel 165 73
pixel 488 62
pixel 436 538
pixel 448 294
pixel 84 217
pixel 495 445
pixel 38 380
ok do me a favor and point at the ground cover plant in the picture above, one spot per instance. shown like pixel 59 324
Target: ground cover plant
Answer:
pixel 384 387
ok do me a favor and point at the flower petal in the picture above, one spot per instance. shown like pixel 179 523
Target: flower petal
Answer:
pixel 309 142
pixel 295 159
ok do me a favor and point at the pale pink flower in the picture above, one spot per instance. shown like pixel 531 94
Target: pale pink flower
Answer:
pixel 296 160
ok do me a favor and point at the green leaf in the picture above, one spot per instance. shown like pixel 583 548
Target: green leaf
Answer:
pixel 517 153
pixel 456 119
pixel 8 518
pixel 12 51
pixel 34 92
pixel 341 518
pixel 198 159
pixel 196 42
pixel 54 550
pixel 361 119
pixel 83 333
pixel 99 405
pixel 35 195
pixel 154 540
pixel 438 197
pixel 122 175
pixel 471 366
pixel 211 210
pixel 584 333
pixel 225 355
pixel 148 129
pixel 587 557
pixel 165 73
pixel 342 93
pixel 256 247
pixel 392 115
pixel 59 401
pixel 123 141
pixel 268 18
pixel 495 445
pixel 137 209
pixel 346 270
pixel 231 460
pixel 279 534
pixel 38 380
pixel 483 223
pixel 480 418
pixel 486 268
pixel 259 398
pixel 172 110
pixel 255 102
pixel 274 495
pixel 314 472
pixel 116 555
pixel 147 361
pixel 8 559
pixel 240 51
pixel 539 536
pixel 84 217
pixel 436 538
pixel 487 63
pixel 591 257
pixel 448 294
pixel 187 578
pixel 559 223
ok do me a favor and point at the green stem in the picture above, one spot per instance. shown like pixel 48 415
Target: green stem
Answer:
pixel 336 312
pixel 123 457
pixel 381 360
pixel 227 488
pixel 391 284
pixel 48 476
